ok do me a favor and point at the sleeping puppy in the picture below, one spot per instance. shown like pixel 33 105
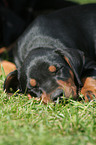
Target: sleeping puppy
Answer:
pixel 56 55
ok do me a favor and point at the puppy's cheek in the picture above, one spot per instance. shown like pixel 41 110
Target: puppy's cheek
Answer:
pixel 70 92
pixel 68 87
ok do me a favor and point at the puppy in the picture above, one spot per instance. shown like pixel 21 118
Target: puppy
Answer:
pixel 56 55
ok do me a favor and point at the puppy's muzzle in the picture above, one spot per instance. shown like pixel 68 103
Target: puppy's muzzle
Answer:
pixel 65 89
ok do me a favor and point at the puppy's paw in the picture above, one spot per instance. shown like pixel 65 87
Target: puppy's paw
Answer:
pixel 89 89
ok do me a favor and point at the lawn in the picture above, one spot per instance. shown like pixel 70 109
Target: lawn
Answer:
pixel 29 122
pixel 24 121
pixel 84 1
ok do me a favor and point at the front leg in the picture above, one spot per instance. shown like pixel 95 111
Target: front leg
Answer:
pixel 89 88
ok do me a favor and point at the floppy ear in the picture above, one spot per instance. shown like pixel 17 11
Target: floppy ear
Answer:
pixel 75 59
pixel 11 81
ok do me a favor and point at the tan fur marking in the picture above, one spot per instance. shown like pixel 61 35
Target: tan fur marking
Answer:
pixel 72 75
pixel 29 96
pixel 45 98
pixel 67 61
pixel 33 82
pixel 3 49
pixel 89 88
pixel 52 68
pixel 68 87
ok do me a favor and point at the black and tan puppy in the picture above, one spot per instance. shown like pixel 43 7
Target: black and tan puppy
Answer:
pixel 56 55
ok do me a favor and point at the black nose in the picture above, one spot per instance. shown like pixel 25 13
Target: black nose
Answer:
pixel 57 94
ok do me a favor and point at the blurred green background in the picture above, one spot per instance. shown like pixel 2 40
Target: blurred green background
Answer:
pixel 84 1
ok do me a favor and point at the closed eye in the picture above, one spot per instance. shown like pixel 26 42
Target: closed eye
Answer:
pixel 59 69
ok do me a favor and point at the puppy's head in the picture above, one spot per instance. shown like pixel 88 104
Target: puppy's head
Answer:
pixel 45 74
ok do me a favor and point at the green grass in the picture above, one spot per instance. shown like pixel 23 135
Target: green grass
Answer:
pixel 84 1
pixel 24 121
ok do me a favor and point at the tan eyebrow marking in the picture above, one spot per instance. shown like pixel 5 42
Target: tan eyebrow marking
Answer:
pixel 33 82
pixel 52 68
